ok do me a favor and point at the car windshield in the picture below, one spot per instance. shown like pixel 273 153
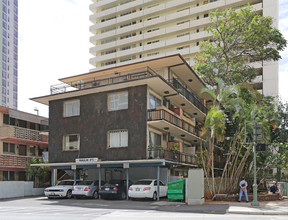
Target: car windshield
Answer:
pixel 143 182
pixel 113 182
pixel 86 182
pixel 65 183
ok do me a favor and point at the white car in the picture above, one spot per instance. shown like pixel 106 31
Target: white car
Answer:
pixel 147 188
pixel 62 190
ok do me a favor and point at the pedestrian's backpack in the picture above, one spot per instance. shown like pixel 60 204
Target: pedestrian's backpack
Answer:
pixel 273 189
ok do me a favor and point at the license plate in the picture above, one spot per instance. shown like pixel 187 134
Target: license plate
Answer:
pixel 79 188
pixel 107 189
pixel 52 194
pixel 137 189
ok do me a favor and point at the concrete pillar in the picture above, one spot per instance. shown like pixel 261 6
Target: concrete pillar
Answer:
pixel 195 187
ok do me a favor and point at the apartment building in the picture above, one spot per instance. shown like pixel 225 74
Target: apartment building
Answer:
pixel 9 53
pixel 145 114
pixel 128 31
pixel 22 137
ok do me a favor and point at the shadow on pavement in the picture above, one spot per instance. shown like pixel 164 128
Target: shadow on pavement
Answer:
pixel 162 205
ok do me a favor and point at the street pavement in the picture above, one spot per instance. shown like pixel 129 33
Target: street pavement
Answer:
pixel 43 208
pixel 279 207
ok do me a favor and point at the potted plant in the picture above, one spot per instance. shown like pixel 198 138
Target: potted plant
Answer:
pixel 175 150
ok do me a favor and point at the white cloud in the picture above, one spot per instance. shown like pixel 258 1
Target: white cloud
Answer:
pixel 53 43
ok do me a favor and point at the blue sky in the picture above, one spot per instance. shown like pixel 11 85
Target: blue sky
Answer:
pixel 54 43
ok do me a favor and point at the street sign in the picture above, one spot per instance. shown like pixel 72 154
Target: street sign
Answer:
pixel 86 160
pixel 260 147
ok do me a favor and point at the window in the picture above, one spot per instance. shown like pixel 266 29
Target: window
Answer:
pixel 118 138
pixel 118 101
pixel 182 22
pixel 126 36
pixel 8 175
pixel 71 142
pixel 184 34
pixel 72 108
pixel 8 148
pixel 154 139
pixel 153 42
pixel 149 19
pixel 183 47
pixel 153 102
pixel 125 48
pixel 110 62
pixel 152 54
pixel 155 29
pixel 32 151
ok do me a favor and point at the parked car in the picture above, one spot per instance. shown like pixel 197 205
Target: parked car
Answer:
pixel 86 188
pixel 62 190
pixel 147 188
pixel 114 188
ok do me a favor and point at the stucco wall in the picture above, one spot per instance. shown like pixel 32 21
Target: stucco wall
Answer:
pixel 13 189
pixel 93 124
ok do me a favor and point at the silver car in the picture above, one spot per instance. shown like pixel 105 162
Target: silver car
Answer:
pixel 86 188
pixel 62 190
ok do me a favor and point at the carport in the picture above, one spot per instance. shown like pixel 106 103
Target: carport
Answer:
pixel 86 163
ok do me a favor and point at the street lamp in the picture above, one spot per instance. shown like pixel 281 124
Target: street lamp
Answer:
pixel 257 130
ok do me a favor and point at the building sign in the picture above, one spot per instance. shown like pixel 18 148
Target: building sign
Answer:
pixel 125 165
pixel 86 160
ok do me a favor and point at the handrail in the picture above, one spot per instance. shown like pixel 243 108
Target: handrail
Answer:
pixel 189 95
pixel 117 77
pixel 161 114
pixel 172 156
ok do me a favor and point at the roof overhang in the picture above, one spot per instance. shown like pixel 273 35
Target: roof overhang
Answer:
pixel 114 164
pixel 175 62
pixel 24 141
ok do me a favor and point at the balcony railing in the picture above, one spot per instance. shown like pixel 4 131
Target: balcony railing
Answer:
pixel 189 95
pixel 118 77
pixel 161 114
pixel 173 156
pixel 15 160
pixel 19 132
pixel 28 134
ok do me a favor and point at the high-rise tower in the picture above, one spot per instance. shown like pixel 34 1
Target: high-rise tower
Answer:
pixel 128 31
pixel 9 53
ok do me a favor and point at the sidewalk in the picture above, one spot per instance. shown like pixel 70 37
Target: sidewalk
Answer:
pixel 265 208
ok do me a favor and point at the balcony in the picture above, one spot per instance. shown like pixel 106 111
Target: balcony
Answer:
pixel 21 133
pixel 172 123
pixel 14 161
pixel 172 156
pixel 118 77
pixel 189 95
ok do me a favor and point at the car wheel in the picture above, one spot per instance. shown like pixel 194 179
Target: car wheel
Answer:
pixel 95 195
pixel 154 196
pixel 123 195
pixel 69 194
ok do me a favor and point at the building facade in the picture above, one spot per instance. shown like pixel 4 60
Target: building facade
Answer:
pixel 128 31
pixel 21 140
pixel 9 54
pixel 137 112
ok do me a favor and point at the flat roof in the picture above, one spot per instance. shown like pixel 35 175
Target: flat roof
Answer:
pixel 114 164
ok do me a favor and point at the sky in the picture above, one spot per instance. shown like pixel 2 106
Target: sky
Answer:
pixel 54 43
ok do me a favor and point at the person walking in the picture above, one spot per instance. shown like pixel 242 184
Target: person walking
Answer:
pixel 243 189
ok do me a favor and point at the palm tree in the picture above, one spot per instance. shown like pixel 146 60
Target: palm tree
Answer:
pixel 225 97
